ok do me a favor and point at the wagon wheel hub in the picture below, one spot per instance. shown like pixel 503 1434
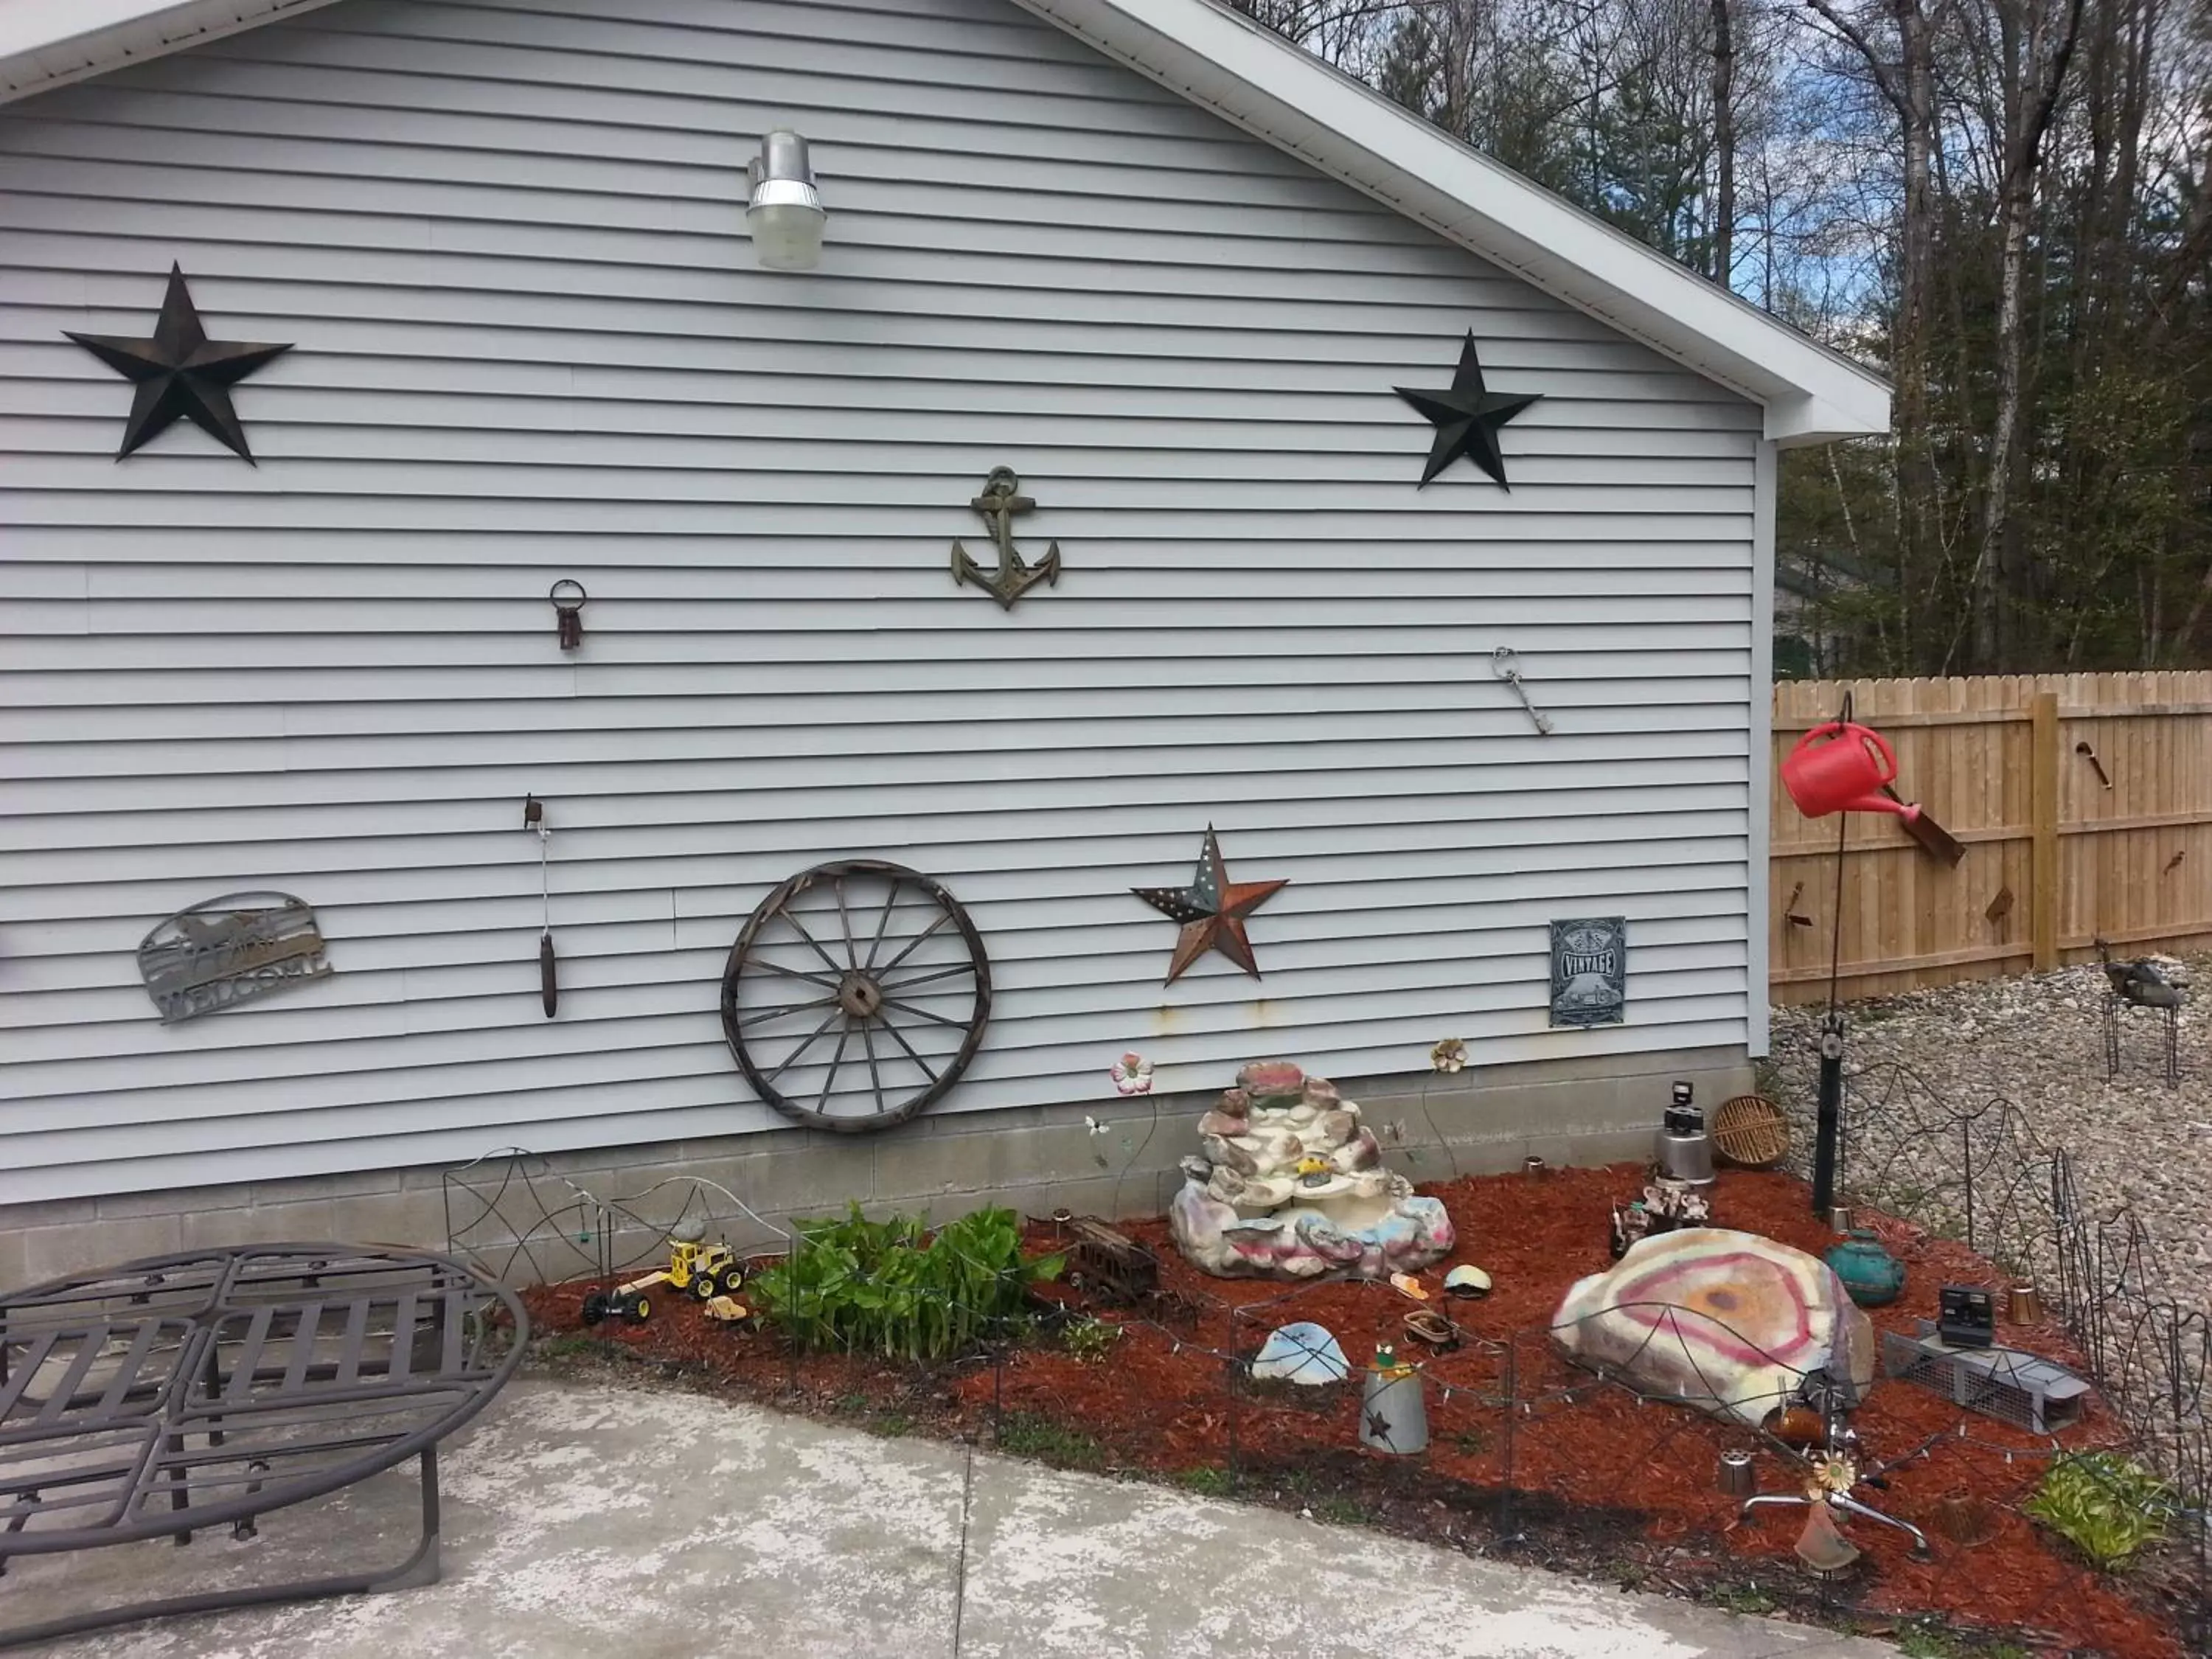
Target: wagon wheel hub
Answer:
pixel 859 996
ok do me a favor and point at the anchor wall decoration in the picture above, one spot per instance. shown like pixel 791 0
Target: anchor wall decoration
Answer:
pixel 999 505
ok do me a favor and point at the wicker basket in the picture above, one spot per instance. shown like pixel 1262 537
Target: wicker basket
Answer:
pixel 1751 1131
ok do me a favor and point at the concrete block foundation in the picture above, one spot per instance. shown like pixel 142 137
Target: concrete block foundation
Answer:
pixel 1433 1127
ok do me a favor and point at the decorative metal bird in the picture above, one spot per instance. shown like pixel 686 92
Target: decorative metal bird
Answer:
pixel 2146 981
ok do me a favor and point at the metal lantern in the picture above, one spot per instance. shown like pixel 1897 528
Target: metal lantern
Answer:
pixel 784 211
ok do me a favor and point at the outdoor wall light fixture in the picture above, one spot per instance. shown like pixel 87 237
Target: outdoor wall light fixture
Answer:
pixel 784 212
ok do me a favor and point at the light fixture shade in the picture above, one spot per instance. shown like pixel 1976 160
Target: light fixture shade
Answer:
pixel 784 213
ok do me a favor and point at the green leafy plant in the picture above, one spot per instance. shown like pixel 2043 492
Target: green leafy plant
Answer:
pixel 1089 1339
pixel 1927 1641
pixel 1026 1434
pixel 898 1290
pixel 1747 1599
pixel 2105 1505
pixel 1207 1481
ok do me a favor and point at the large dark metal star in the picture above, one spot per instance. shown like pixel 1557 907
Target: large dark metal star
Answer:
pixel 1466 418
pixel 1212 910
pixel 180 372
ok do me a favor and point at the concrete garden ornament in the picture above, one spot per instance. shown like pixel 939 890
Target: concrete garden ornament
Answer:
pixel 1291 1185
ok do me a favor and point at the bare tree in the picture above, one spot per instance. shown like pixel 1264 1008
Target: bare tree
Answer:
pixel 1907 82
pixel 2035 50
pixel 1723 270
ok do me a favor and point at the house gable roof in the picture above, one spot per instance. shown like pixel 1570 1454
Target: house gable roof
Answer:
pixel 1269 87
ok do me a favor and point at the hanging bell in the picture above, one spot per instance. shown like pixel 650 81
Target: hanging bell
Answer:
pixel 549 983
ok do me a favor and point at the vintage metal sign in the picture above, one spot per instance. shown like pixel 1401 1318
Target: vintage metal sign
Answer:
pixel 228 950
pixel 1589 971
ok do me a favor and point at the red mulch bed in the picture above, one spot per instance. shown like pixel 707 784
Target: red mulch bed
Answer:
pixel 1598 1480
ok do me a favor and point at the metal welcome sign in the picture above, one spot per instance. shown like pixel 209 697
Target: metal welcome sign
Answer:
pixel 1589 971
pixel 228 950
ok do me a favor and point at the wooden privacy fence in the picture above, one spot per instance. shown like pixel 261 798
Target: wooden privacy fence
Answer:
pixel 2084 802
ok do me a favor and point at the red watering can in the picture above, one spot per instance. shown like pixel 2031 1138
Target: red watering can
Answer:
pixel 1842 767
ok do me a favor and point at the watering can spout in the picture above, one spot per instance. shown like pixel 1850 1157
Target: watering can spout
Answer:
pixel 1910 811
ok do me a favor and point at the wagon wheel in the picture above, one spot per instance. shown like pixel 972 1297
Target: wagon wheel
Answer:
pixel 856 994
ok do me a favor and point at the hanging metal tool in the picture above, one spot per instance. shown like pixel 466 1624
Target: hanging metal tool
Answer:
pixel 568 599
pixel 549 983
pixel 1505 664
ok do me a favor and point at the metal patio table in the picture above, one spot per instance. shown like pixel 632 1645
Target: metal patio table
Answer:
pixel 212 1386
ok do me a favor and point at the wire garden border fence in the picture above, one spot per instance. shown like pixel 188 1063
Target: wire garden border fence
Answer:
pixel 1981 1174
pixel 1978 1174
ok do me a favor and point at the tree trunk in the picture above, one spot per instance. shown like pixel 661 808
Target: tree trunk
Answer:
pixel 1724 144
pixel 2032 69
pixel 1916 108
pixel 2013 213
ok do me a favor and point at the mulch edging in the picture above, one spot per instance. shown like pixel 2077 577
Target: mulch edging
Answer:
pixel 1601 1483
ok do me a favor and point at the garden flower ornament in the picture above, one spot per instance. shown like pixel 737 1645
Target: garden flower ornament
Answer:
pixel 1132 1074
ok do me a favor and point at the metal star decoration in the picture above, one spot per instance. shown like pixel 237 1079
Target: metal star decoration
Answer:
pixel 179 372
pixel 1466 418
pixel 1212 910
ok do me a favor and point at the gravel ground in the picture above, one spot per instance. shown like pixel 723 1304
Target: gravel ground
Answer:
pixel 2038 1042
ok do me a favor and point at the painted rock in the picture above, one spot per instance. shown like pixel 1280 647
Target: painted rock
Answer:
pixel 1303 1353
pixel 1727 1322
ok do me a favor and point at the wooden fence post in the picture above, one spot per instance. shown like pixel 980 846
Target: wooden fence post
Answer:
pixel 2043 822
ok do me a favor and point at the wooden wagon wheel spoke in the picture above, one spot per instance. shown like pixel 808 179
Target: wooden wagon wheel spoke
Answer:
pixel 791 918
pixel 899 1037
pixel 924 979
pixel 761 1016
pixel 835 1016
pixel 911 943
pixel 832 981
pixel 924 1013
pixel 875 1071
pixel 950 990
pixel 845 924
pixel 876 944
pixel 829 1082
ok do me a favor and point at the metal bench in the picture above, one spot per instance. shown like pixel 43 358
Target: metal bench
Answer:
pixel 210 1388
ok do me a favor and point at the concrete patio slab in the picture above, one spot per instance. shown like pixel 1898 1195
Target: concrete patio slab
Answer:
pixel 588 1519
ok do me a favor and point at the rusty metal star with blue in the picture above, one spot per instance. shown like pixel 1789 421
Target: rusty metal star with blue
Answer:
pixel 1212 910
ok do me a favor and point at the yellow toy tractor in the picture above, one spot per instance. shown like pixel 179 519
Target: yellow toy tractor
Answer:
pixel 708 1273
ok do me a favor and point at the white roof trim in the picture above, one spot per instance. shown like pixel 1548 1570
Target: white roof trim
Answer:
pixel 1266 85
pixel 50 43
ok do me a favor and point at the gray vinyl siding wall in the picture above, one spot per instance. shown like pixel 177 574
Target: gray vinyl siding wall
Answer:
pixel 533 342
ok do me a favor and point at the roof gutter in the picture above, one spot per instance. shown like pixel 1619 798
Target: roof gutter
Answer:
pixel 45 43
